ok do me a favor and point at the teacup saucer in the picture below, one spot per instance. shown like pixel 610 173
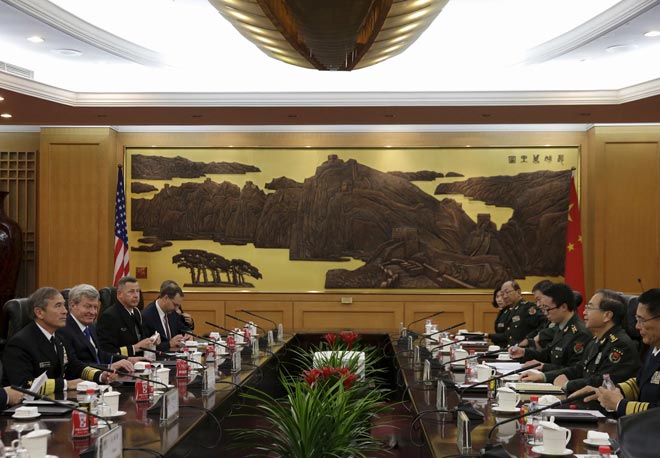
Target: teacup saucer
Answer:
pixel 539 449
pixel 595 442
pixel 499 409
pixel 25 417
pixel 119 413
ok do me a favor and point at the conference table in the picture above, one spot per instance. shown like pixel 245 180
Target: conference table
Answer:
pixel 205 420
pixel 439 430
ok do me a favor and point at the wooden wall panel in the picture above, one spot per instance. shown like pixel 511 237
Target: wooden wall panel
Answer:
pixel 630 215
pixel 484 317
pixel 322 316
pixel 77 184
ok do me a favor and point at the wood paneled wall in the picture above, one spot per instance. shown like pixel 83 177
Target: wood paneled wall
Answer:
pixel 77 183
pixel 620 197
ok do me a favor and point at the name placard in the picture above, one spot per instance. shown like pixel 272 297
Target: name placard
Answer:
pixel 170 410
pixel 463 434
pixel 110 444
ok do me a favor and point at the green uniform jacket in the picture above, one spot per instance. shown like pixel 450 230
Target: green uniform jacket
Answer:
pixel 615 353
pixel 524 322
pixel 565 349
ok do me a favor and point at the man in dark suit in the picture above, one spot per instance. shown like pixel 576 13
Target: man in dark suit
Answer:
pixel 120 326
pixel 642 392
pixel 79 334
pixel 161 316
pixel 36 349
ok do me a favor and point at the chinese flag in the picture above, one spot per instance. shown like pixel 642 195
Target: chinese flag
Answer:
pixel 574 267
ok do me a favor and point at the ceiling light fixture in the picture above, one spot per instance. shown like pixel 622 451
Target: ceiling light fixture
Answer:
pixel 1 98
pixel 68 52
pixel 35 39
pixel 652 34
pixel 307 33
pixel 5 115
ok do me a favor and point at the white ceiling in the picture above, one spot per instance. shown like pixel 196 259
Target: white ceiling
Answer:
pixel 480 49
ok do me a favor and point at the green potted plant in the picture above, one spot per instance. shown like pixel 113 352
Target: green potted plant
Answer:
pixel 327 410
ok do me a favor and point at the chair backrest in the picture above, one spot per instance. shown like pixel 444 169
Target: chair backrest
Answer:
pixel 631 302
pixel 637 434
pixel 108 296
pixel 17 314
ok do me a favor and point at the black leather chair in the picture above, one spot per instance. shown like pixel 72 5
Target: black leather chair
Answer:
pixel 637 434
pixel 17 315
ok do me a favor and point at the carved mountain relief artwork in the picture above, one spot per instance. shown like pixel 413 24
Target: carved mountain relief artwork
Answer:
pixel 405 237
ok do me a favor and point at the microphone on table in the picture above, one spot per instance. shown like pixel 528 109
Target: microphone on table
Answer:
pixel 244 322
pixel 422 318
pixel 124 373
pixel 476 355
pixel 497 377
pixel 427 336
pixel 66 405
pixel 217 326
pixel 258 316
pixel 172 355
pixel 495 451
pixel 205 339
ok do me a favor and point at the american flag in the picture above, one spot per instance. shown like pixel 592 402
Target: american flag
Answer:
pixel 121 235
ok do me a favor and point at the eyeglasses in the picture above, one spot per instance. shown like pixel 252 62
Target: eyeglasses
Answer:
pixel 589 308
pixel 547 309
pixel 642 321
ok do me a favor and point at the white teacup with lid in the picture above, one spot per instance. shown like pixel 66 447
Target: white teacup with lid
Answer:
pixel 507 399
pixel 555 438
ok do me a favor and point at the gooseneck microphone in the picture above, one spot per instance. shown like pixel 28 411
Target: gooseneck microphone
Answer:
pixel 423 318
pixel 41 397
pixel 428 336
pixel 174 355
pixel 258 316
pixel 217 326
pixel 206 339
pixel 124 373
pixel 535 411
pixel 476 355
pixel 243 321
pixel 497 377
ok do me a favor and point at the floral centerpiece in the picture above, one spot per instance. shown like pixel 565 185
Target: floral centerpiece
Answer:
pixel 328 408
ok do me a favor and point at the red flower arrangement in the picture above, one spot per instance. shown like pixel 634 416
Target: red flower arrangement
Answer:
pixel 330 338
pixel 348 337
pixel 327 374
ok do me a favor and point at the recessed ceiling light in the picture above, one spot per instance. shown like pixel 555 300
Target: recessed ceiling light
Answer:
pixel 1 98
pixel 35 39
pixel 652 33
pixel 68 52
pixel 5 115
pixel 620 48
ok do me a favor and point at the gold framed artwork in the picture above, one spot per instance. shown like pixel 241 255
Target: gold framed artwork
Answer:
pixel 331 219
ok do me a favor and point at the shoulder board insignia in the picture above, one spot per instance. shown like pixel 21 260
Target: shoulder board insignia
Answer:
pixel 613 338
pixel 532 310
pixel 578 348
pixel 574 329
pixel 615 356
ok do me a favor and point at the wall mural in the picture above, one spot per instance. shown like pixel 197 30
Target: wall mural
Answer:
pixel 296 219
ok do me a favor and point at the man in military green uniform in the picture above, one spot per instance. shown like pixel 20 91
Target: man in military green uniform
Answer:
pixel 611 351
pixel 570 339
pixel 525 318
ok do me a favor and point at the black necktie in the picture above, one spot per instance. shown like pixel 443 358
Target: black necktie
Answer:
pixel 88 334
pixel 52 341
pixel 136 321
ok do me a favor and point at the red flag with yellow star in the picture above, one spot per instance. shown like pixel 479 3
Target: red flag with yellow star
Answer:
pixel 574 264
